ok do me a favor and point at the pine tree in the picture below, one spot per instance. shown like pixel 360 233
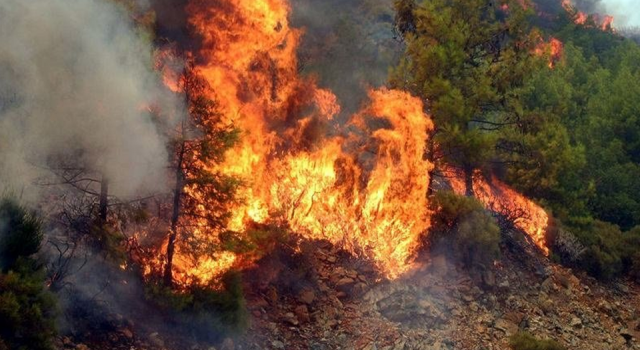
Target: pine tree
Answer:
pixel 466 59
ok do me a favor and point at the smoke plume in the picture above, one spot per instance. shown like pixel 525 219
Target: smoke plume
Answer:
pixel 76 80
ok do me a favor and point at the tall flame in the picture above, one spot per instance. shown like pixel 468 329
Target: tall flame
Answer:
pixel 360 184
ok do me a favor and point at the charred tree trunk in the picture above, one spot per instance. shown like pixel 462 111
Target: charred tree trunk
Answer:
pixel 430 156
pixel 173 235
pixel 104 202
pixel 468 180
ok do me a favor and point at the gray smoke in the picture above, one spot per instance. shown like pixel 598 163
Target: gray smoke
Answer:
pixel 348 44
pixel 75 80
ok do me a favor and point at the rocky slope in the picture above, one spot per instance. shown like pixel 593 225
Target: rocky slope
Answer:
pixel 317 297
pixel 342 304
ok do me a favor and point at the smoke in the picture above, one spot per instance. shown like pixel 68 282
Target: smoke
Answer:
pixel 76 80
pixel 349 45
pixel 624 11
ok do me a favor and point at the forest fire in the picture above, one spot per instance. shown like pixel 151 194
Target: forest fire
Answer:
pixel 356 184
pixel 501 199
pixel 553 49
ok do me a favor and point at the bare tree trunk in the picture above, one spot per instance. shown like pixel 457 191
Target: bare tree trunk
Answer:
pixel 104 202
pixel 177 197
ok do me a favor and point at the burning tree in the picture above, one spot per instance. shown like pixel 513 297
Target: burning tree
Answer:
pixel 201 195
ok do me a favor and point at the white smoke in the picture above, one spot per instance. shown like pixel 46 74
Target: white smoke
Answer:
pixel 75 75
pixel 626 13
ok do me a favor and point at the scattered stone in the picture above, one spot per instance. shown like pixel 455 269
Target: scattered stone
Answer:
pixel 506 326
pixel 302 313
pixel 307 296
pixel 575 322
pixel 228 344
pixel 154 338
pixel 290 318
pixel 127 333
pixel 277 344
pixel 67 342
pixel 627 335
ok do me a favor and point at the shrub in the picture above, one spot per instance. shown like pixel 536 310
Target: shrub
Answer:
pixel 610 252
pixel 525 341
pixel 463 229
pixel 27 309
pixel 20 233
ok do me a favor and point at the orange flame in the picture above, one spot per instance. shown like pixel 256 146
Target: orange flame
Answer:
pixel 361 185
pixel 500 198
pixel 554 49
pixel 603 22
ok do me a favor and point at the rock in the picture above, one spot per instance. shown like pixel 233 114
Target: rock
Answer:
pixel 302 313
pixel 515 317
pixel 575 322
pixel 154 338
pixel 307 296
pixel 506 326
pixel 627 335
pixel 547 286
pixel 468 298
pixel 127 333
pixel 82 347
pixel 272 295
pixel 547 306
pixel 345 285
pixel 277 344
pixel 228 344
pixel 371 346
pixel 259 303
pixel 67 342
pixel 345 281
pixel 504 285
pixel 489 278
pixel 290 318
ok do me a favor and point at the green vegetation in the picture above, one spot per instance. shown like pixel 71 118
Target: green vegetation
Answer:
pixel 589 173
pixel 467 60
pixel 525 341
pixel 463 229
pixel 27 309
pixel 566 135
